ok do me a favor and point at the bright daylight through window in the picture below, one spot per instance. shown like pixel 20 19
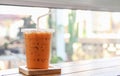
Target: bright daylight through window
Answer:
pixel 79 34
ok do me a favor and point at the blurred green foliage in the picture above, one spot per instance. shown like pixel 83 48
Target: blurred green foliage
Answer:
pixel 73 31
pixel 56 59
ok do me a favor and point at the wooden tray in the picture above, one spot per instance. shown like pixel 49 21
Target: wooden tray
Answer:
pixel 50 70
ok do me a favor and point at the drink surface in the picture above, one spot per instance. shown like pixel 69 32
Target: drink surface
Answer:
pixel 37 45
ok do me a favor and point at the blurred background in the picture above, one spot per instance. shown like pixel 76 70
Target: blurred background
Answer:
pixel 79 34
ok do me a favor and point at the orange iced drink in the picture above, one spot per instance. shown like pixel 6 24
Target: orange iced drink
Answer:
pixel 37 46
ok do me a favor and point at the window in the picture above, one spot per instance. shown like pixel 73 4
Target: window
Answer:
pixel 74 36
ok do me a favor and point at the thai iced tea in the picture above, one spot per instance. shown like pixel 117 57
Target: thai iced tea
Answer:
pixel 37 45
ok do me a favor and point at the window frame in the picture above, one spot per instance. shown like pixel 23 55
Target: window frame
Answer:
pixel 95 5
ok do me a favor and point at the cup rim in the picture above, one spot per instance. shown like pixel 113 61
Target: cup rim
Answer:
pixel 37 30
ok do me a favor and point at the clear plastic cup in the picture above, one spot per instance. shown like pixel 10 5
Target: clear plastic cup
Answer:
pixel 37 46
